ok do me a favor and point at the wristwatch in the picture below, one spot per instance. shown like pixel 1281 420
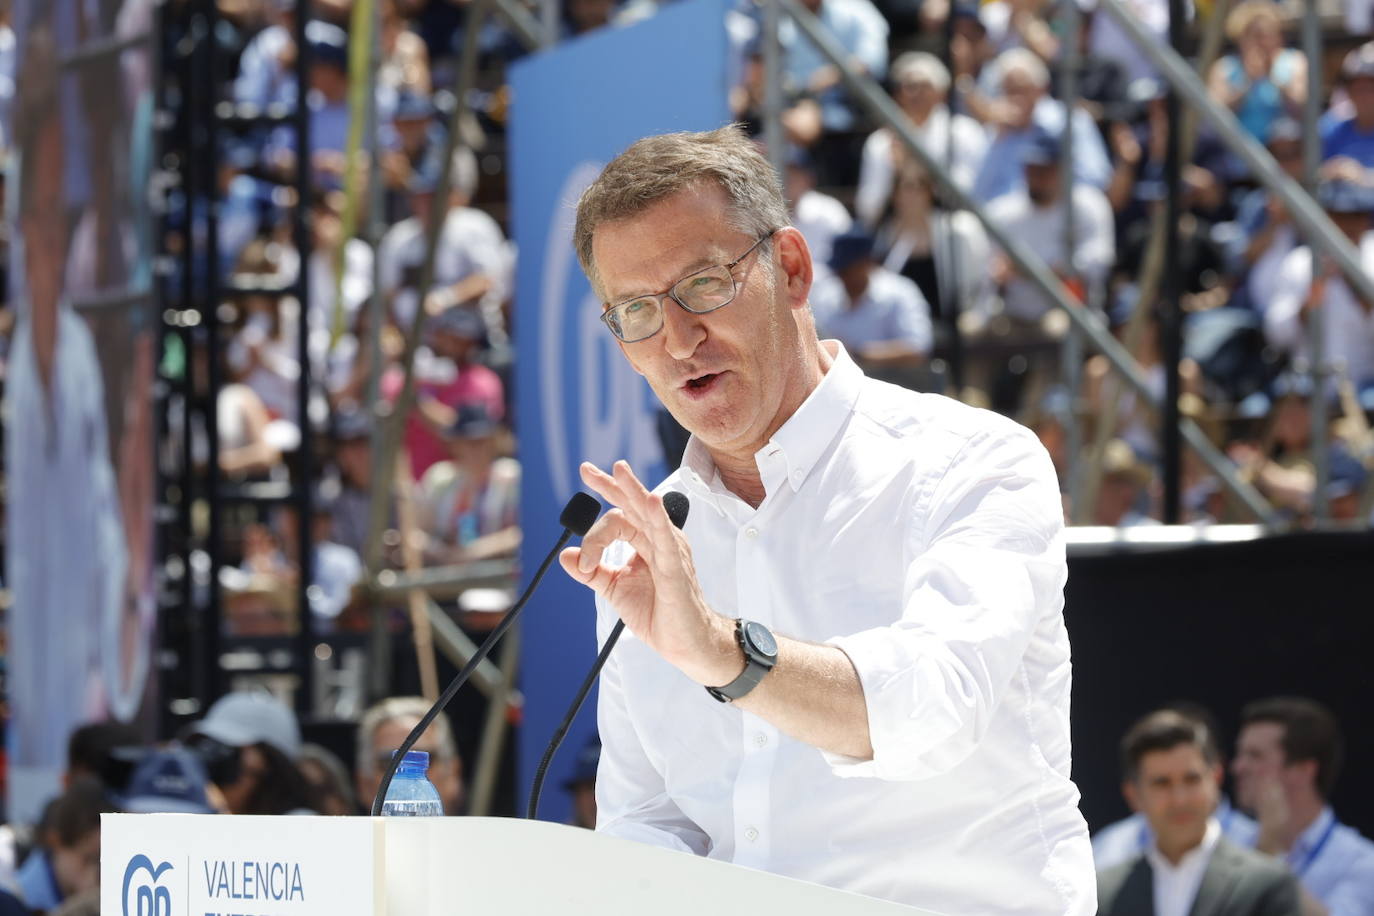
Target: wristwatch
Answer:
pixel 760 655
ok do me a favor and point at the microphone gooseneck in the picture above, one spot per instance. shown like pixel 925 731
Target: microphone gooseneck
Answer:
pixel 676 505
pixel 576 518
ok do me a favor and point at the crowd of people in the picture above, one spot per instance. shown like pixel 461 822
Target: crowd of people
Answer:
pixel 912 285
pixel 1273 846
pixel 246 756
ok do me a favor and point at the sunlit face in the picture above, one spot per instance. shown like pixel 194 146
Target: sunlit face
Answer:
pixel 1023 94
pixel 917 97
pixel 731 376
pixel 1176 790
pixel 1259 762
pixel 1262 33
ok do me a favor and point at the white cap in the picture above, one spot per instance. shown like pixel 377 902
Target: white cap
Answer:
pixel 243 718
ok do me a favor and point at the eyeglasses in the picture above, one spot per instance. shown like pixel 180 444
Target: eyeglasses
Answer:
pixel 699 293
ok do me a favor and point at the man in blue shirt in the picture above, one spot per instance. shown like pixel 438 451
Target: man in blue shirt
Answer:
pixel 1287 759
pixel 1348 145
pixel 1025 111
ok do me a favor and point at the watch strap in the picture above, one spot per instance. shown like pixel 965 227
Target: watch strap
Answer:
pixel 755 667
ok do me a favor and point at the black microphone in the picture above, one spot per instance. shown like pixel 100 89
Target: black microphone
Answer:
pixel 576 518
pixel 676 505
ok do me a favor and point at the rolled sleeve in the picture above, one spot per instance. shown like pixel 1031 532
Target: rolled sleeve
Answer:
pixel 990 567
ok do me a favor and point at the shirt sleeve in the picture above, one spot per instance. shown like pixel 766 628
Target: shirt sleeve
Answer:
pixel 870 38
pixel 1090 154
pixel 632 801
pixel 1096 235
pixel 875 178
pixel 1353 894
pixel 911 315
pixel 1283 311
pixel 989 566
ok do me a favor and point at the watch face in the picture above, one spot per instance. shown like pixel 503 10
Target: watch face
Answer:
pixel 761 639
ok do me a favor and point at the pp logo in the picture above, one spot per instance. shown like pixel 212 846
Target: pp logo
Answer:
pixel 150 898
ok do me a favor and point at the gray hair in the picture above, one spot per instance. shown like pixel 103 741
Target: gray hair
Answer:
pixel 410 709
pixel 655 168
pixel 1020 59
pixel 920 67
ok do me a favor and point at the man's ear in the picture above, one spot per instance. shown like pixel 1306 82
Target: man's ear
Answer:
pixel 1306 771
pixel 796 269
pixel 1131 794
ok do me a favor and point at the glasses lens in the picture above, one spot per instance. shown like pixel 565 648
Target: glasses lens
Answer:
pixel 636 319
pixel 706 291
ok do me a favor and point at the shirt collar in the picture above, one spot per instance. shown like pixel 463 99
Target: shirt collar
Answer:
pixel 1314 832
pixel 815 424
pixel 1202 851
pixel 802 439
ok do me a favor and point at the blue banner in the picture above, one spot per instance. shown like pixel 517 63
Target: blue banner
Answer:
pixel 574 108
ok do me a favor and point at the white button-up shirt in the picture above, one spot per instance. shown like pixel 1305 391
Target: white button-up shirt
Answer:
pixel 924 538
pixel 1175 886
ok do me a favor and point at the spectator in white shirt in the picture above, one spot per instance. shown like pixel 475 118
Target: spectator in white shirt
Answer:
pixel 920 85
pixel 1287 759
pixel 1173 775
pixel 1302 289
pixel 1035 216
pixel 880 316
pixel 472 263
pixel 905 735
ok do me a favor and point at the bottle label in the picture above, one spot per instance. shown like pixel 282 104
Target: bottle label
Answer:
pixel 412 809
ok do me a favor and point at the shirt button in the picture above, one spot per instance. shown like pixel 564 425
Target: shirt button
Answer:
pixel 760 740
pixel 798 474
pixel 751 834
pixel 751 533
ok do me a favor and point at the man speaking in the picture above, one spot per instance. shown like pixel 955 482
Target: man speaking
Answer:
pixel 851 666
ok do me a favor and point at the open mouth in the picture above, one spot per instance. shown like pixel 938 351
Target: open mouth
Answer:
pixel 702 384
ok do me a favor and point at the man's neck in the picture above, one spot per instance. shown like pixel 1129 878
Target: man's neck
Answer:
pixel 1173 850
pixel 1174 853
pixel 1303 813
pixel 738 469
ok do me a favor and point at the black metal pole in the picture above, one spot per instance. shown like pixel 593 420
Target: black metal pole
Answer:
pixel 166 534
pixel 301 490
pixel 210 322
pixel 1171 311
pixel 948 287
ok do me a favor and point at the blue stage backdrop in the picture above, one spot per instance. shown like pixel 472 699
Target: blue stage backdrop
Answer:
pixel 574 108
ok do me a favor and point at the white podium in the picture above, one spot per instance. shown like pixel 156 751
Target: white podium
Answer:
pixel 196 865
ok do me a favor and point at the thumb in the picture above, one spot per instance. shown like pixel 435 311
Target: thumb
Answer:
pixel 568 559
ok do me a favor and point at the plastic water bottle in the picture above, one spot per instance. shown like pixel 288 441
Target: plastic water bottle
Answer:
pixel 411 794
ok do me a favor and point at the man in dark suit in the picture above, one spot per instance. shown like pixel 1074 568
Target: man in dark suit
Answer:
pixel 1173 776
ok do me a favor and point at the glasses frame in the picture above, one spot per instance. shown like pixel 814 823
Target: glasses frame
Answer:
pixel 671 293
